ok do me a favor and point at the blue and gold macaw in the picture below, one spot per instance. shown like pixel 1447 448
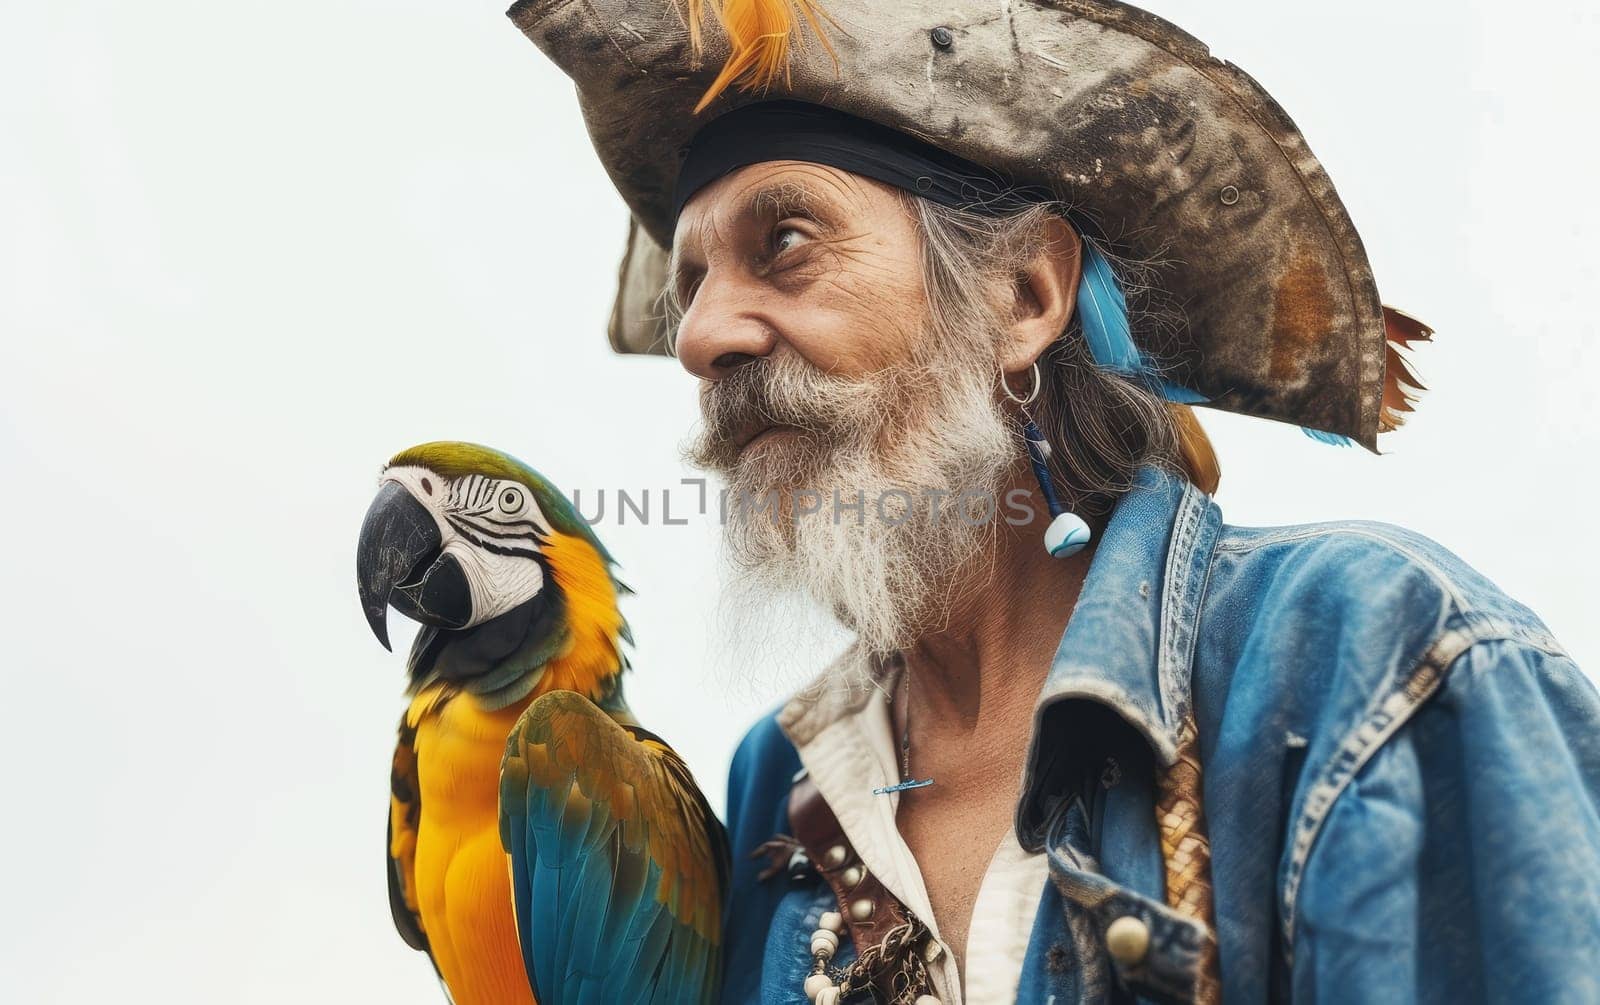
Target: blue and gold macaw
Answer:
pixel 518 749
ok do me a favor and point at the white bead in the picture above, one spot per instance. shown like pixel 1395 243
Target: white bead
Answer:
pixel 832 922
pixel 852 875
pixel 836 855
pixel 860 910
pixel 927 1000
pixel 1067 535
pixel 824 941
pixel 816 984
pixel 829 996
pixel 1128 939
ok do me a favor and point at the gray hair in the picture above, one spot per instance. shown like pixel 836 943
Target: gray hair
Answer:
pixel 1102 425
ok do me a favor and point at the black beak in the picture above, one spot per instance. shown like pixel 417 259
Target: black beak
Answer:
pixel 399 564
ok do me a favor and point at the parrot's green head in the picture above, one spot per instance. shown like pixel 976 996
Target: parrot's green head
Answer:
pixel 509 580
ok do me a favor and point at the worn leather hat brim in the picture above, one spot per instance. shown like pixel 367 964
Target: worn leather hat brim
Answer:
pixel 1176 157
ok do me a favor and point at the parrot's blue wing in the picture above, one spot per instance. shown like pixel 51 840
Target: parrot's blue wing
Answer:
pixel 618 864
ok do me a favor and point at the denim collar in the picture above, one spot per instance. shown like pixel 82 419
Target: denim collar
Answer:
pixel 1129 645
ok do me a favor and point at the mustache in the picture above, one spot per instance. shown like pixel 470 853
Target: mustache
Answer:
pixel 785 391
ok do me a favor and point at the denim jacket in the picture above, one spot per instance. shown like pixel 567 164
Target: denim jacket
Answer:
pixel 1401 777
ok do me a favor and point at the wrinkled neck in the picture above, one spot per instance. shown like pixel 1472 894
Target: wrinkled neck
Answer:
pixel 990 658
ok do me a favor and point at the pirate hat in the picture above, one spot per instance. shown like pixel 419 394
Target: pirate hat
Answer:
pixel 1173 155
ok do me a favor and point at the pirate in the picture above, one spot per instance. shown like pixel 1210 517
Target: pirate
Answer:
pixel 962 272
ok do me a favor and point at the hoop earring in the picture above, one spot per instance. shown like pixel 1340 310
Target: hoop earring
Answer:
pixel 1032 395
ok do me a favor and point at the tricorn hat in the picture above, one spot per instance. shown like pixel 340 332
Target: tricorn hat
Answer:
pixel 1176 156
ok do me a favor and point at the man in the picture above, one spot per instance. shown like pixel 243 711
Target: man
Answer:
pixel 952 277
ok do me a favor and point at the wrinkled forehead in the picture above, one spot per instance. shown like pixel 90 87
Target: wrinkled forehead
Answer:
pixel 774 190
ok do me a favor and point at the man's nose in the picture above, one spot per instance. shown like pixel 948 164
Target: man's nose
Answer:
pixel 721 331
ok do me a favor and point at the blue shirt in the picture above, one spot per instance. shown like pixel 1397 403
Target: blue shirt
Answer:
pixel 1401 777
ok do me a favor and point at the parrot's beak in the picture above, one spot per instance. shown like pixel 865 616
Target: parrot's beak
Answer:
pixel 399 563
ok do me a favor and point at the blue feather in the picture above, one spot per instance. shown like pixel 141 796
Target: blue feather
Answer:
pixel 1332 439
pixel 1180 395
pixel 597 918
pixel 1103 312
pixel 1103 315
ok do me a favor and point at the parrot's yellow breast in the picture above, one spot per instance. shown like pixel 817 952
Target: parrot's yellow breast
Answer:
pixel 445 844
pixel 462 884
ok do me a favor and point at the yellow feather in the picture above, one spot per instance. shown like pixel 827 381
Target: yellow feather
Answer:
pixel 759 35
pixel 593 655
pixel 455 865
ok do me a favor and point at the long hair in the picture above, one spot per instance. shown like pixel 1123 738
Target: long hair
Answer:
pixel 1103 426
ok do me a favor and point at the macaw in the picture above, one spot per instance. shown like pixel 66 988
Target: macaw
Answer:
pixel 543 846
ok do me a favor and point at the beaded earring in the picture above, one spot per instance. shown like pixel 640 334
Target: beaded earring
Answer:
pixel 1068 532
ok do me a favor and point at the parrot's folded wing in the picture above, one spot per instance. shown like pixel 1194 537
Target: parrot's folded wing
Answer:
pixel 405 808
pixel 618 864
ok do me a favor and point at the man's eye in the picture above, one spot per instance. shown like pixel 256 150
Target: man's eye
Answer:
pixel 786 238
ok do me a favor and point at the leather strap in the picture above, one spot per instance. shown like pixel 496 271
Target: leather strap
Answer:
pixel 868 908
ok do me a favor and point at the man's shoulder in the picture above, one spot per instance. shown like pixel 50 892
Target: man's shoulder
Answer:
pixel 763 770
pixel 765 747
pixel 766 763
pixel 1368 576
pixel 1347 628
pixel 1356 649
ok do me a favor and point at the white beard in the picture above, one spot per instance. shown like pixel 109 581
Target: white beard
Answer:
pixel 889 573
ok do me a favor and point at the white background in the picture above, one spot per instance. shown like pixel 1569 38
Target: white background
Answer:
pixel 249 250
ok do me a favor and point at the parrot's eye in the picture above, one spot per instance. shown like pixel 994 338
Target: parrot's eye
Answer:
pixel 510 501
pixel 427 486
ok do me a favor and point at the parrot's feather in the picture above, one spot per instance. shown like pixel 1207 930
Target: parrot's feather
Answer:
pixel 500 660
pixel 518 725
pixel 618 864
pixel 474 951
pixel 630 981
pixel 405 808
pixel 645 971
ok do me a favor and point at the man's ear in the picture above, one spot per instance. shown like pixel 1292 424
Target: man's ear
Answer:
pixel 1046 292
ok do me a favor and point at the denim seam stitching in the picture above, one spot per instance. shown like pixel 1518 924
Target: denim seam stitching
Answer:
pixel 1203 508
pixel 1174 701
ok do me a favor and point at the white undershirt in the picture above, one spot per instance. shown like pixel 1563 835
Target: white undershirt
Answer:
pixel 840 726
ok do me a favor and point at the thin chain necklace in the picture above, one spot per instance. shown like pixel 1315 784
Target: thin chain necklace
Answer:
pixel 906 781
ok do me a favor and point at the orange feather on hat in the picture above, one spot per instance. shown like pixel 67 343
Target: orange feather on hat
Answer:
pixel 759 35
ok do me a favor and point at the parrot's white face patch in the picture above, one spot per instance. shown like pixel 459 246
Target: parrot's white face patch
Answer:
pixel 492 527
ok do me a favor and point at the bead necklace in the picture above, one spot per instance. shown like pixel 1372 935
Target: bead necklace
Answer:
pixel 895 959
